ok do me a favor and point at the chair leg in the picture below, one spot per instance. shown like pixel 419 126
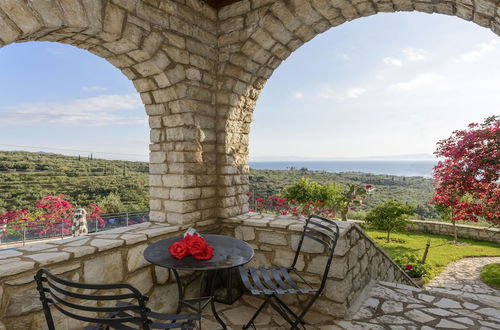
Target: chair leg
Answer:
pixel 283 314
pixel 257 313
pixel 288 309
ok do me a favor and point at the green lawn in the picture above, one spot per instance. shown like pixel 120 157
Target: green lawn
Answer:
pixel 440 253
pixel 491 275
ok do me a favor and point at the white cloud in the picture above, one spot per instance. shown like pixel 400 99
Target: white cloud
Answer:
pixel 392 61
pixel 415 54
pixel 474 55
pixel 421 80
pixel 94 111
pixel 354 93
pixel 298 95
pixel 93 88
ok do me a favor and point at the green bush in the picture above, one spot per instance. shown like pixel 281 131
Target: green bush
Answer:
pixel 390 216
pixel 411 265
pixel 306 190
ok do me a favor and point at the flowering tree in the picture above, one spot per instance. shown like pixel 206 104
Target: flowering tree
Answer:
pixel 352 195
pixel 53 215
pixel 467 179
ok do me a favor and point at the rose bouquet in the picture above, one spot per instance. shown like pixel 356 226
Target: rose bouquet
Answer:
pixel 194 245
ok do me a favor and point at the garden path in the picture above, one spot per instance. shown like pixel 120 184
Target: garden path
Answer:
pixel 463 277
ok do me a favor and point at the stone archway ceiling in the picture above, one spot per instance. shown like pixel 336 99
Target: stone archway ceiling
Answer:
pixel 220 3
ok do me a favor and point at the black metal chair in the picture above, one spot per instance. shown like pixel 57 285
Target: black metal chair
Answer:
pixel 124 311
pixel 273 281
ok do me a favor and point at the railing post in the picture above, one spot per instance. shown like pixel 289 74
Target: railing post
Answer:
pixel 126 219
pixel 62 229
pixel 24 235
pixel 95 224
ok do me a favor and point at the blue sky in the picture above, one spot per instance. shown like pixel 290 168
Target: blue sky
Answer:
pixel 389 84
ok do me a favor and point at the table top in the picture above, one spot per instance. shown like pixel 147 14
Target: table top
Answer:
pixel 228 252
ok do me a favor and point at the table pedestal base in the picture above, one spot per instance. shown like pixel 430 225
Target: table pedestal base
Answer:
pixel 202 302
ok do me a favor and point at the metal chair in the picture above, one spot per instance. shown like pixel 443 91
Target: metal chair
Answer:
pixel 127 309
pixel 273 281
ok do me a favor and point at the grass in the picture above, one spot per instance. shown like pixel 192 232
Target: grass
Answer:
pixel 441 252
pixel 491 275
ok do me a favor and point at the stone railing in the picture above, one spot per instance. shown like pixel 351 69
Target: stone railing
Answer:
pixel 117 256
pixel 464 231
pixel 107 257
pixel 357 259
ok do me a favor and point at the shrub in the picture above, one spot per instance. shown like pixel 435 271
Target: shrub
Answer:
pixel 411 265
pixel 390 216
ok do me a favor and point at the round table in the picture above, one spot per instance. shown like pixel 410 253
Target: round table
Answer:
pixel 229 252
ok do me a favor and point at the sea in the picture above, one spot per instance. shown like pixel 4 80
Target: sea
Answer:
pixel 395 167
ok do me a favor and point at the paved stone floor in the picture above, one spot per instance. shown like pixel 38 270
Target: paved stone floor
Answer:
pixel 463 277
pixel 386 306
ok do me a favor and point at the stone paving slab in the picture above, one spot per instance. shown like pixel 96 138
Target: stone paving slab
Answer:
pixel 462 277
pixel 387 306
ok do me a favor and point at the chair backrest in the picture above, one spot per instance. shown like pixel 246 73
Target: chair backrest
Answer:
pixel 322 231
pixel 79 300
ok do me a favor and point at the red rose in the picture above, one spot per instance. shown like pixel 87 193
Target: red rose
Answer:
pixel 196 244
pixel 208 253
pixel 188 238
pixel 178 250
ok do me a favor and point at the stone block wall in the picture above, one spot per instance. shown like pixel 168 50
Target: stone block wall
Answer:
pixel 464 231
pixel 114 256
pixel 357 259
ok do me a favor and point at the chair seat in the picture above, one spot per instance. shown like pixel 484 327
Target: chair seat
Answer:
pixel 271 280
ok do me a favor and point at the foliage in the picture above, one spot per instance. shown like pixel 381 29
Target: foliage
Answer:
pixel 490 275
pixel 467 180
pixel 352 195
pixel 440 254
pixel 411 265
pixel 413 190
pixel 26 177
pixel 112 203
pixel 53 214
pixel 390 216
pixel 283 206
pixel 306 190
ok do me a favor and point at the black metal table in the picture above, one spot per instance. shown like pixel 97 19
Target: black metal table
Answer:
pixel 229 252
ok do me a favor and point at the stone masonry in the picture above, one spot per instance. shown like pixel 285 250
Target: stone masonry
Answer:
pixel 117 256
pixel 357 259
pixel 199 72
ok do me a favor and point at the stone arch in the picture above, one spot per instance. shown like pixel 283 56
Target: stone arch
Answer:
pixel 167 49
pixel 257 35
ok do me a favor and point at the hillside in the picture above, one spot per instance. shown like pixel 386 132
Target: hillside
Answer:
pixel 119 185
pixel 413 190
pixel 25 177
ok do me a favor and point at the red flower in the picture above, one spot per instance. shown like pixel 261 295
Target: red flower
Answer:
pixel 409 267
pixel 198 247
pixel 207 253
pixel 179 249
pixel 196 244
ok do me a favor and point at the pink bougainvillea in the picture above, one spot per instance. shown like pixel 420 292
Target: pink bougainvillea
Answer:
pixel 467 178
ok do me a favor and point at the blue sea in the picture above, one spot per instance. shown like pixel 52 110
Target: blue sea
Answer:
pixel 396 167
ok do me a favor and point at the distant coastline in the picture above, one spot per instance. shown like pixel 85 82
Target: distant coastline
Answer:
pixel 421 168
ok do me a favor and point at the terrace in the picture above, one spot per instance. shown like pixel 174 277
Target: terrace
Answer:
pixel 199 68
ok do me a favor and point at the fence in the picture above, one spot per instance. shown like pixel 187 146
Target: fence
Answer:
pixel 28 231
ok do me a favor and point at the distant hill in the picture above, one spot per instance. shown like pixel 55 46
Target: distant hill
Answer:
pixel 25 177
pixel 120 185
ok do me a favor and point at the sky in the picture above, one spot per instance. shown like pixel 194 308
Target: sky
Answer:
pixel 385 85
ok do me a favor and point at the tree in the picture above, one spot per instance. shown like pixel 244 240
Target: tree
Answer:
pixel 467 179
pixel 352 195
pixel 305 191
pixel 390 216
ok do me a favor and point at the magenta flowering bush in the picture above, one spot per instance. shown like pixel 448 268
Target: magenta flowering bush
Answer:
pixel 53 215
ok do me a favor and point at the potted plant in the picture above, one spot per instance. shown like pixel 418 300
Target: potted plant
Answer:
pixel 412 266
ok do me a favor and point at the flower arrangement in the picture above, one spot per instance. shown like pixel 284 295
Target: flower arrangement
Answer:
pixel 411 265
pixel 194 245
